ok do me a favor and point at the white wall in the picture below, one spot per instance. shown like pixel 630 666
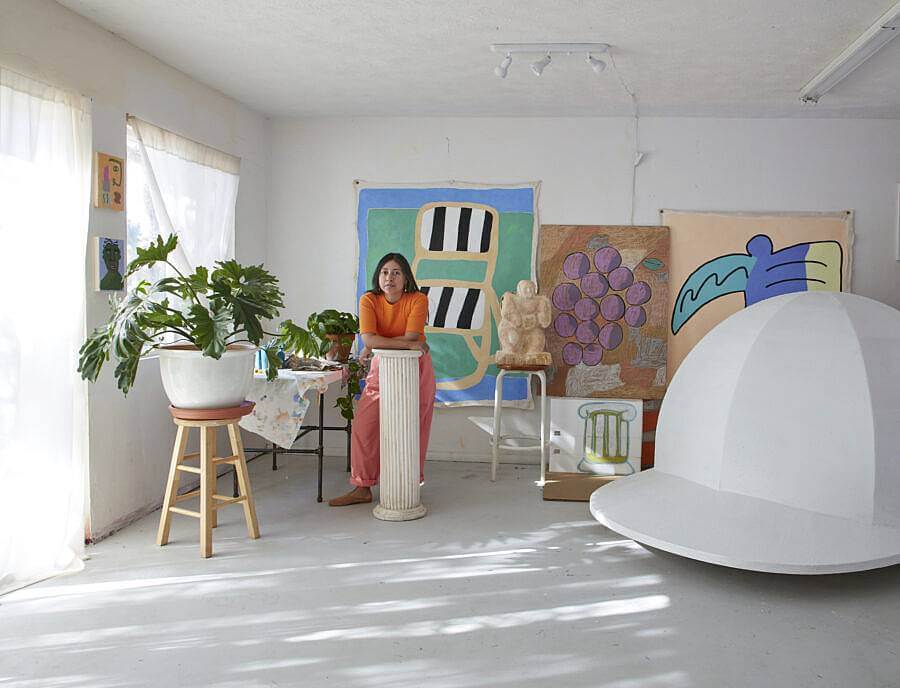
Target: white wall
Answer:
pixel 585 166
pixel 131 439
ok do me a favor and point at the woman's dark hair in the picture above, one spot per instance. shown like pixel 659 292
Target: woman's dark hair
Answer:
pixel 400 259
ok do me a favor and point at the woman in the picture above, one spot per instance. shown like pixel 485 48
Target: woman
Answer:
pixel 392 315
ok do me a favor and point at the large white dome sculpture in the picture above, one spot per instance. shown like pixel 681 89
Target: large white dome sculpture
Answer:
pixel 778 443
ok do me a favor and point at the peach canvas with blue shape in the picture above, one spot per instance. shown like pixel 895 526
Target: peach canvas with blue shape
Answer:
pixel 723 262
pixel 467 245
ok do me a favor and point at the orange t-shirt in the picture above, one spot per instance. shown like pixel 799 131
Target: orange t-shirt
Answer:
pixel 377 316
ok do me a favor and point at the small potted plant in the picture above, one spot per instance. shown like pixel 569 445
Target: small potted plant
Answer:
pixel 330 334
pixel 335 332
pixel 216 317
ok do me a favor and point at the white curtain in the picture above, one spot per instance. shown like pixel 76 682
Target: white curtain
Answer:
pixel 185 187
pixel 45 168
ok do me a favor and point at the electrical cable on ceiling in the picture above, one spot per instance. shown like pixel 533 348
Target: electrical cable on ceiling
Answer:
pixel 637 151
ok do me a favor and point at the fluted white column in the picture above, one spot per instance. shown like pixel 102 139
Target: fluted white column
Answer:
pixel 399 411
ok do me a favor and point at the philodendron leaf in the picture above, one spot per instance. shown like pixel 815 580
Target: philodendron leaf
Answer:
pixel 94 353
pixel 126 371
pixel 211 327
pixel 252 292
pixel 199 280
pixel 295 339
pixel 156 251
pixel 271 351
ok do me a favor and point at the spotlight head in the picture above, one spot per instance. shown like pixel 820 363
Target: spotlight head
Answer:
pixel 502 69
pixel 539 66
pixel 596 64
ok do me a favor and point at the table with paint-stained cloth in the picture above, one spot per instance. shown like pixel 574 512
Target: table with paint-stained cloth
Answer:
pixel 281 407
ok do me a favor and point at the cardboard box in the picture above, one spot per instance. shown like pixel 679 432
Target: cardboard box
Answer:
pixel 573 487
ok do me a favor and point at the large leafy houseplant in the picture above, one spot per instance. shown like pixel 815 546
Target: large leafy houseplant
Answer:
pixel 210 310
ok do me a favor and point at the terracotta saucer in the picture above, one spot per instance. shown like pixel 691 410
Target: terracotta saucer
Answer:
pixel 244 409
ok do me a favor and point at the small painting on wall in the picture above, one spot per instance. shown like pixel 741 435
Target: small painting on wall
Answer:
pixel 109 260
pixel 109 182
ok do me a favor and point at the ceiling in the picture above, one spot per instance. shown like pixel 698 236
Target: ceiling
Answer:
pixel 429 57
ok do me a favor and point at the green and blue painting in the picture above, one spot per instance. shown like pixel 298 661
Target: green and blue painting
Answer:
pixel 467 245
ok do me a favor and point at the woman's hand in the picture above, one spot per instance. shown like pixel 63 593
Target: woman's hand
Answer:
pixel 365 355
pixel 419 346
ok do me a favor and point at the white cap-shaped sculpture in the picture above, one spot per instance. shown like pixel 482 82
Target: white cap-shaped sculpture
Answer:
pixel 778 443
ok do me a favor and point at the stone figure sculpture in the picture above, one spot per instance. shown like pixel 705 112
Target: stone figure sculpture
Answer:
pixel 523 317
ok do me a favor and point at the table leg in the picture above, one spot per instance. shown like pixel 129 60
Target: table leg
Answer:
pixel 349 436
pixel 274 457
pixel 321 448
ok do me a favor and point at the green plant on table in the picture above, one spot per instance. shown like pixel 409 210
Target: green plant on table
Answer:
pixel 356 372
pixel 209 309
pixel 314 341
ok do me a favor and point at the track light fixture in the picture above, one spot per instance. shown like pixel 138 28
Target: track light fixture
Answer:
pixel 538 66
pixel 597 65
pixel 589 50
pixel 502 69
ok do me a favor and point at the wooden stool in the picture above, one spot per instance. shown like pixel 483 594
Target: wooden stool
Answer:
pixel 207 420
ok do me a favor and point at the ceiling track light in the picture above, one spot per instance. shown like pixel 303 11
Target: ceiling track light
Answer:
pixel 589 50
pixel 502 69
pixel 597 65
pixel 539 66
pixel 871 41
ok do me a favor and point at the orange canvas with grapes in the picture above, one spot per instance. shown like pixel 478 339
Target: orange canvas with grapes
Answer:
pixel 608 286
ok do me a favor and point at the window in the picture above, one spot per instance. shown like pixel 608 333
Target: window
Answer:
pixel 176 185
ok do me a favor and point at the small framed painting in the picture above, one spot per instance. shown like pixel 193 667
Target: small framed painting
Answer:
pixel 109 259
pixel 109 182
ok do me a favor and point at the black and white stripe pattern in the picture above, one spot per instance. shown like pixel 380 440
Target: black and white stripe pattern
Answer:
pixel 455 307
pixel 454 228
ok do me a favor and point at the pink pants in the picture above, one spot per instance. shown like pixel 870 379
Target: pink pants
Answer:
pixel 365 444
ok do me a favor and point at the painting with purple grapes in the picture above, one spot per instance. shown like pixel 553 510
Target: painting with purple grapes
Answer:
pixel 608 286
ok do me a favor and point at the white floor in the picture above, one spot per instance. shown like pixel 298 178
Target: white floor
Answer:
pixel 495 587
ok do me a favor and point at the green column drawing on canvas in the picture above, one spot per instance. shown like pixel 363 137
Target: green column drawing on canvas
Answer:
pixel 594 437
pixel 606 437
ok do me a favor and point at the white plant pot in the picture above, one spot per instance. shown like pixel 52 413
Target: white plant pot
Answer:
pixel 195 381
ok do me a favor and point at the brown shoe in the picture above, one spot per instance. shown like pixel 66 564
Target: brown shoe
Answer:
pixel 359 495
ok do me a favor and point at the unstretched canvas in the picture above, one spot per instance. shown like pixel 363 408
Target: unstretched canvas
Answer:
pixel 608 289
pixel 594 437
pixel 467 244
pixel 722 262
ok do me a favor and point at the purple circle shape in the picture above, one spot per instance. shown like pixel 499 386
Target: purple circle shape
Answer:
pixel 635 316
pixel 565 295
pixel 565 325
pixel 587 332
pixel 593 353
pixel 607 258
pixel 586 309
pixel 571 354
pixel 620 278
pixel 612 307
pixel 638 293
pixel 575 265
pixel 610 336
pixel 594 284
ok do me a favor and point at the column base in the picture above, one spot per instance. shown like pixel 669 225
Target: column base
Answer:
pixel 383 513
